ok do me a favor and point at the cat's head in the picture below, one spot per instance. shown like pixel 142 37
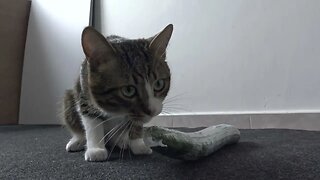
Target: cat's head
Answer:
pixel 128 77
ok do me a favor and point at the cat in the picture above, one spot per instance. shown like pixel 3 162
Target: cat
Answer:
pixel 121 86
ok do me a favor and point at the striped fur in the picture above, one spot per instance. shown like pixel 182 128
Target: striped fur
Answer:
pixel 112 64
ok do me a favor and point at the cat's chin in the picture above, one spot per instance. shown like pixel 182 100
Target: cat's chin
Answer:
pixel 141 120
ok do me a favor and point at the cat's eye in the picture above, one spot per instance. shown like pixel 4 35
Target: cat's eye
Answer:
pixel 159 85
pixel 128 91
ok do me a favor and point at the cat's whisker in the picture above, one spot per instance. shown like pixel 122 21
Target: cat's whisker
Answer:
pixel 173 109
pixel 171 101
pixel 122 151
pixel 124 141
pixel 129 134
pixel 109 133
pixel 177 108
pixel 112 132
pixel 104 121
pixel 116 131
pixel 166 112
pixel 175 96
pixel 62 112
pixel 98 124
pixel 174 105
pixel 128 138
pixel 123 147
pixel 115 143
pixel 177 99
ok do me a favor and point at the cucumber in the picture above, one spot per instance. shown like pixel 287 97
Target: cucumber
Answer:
pixel 192 145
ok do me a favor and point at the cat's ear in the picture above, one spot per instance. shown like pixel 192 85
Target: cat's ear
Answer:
pixel 159 43
pixel 94 44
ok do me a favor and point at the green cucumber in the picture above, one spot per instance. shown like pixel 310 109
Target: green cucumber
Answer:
pixel 192 145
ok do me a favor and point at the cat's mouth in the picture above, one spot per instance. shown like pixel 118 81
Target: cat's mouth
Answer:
pixel 140 118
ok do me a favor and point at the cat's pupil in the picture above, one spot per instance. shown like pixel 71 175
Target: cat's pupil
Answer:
pixel 129 91
pixel 159 85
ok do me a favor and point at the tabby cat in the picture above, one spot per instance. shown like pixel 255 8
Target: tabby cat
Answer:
pixel 122 85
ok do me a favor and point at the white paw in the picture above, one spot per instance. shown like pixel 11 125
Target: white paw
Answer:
pixel 96 154
pixel 75 145
pixel 138 147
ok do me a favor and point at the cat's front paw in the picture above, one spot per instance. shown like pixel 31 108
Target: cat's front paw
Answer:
pixel 96 154
pixel 75 145
pixel 138 147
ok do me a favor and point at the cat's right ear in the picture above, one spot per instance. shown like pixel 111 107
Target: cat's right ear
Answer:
pixel 94 45
pixel 159 43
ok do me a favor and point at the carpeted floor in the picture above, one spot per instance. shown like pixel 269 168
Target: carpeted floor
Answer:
pixel 38 152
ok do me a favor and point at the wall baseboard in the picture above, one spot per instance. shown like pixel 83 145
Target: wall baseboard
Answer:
pixel 302 121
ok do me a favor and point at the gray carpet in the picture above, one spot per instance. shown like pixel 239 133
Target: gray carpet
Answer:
pixel 38 152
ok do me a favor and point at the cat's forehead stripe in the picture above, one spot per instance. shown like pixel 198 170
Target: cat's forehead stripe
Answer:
pixel 132 51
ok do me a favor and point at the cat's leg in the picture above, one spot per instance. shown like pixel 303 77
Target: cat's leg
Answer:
pixel 96 150
pixel 123 143
pixel 76 143
pixel 73 123
pixel 136 142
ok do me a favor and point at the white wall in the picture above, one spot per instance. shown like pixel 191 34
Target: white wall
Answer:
pixel 52 57
pixel 232 56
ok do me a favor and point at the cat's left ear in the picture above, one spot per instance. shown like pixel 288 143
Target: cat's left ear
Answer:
pixel 159 43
